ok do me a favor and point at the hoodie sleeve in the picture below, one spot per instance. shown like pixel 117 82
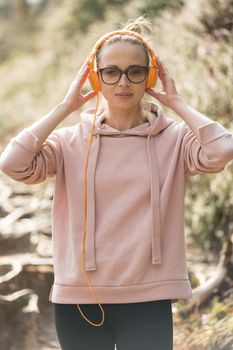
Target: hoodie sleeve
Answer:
pixel 210 152
pixel 20 161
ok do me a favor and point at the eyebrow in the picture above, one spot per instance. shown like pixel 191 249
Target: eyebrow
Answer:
pixel 112 65
pixel 115 66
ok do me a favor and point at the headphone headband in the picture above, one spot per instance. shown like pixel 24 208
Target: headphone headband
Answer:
pixel 105 37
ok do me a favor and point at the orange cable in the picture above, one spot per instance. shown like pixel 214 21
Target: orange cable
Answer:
pixel 84 236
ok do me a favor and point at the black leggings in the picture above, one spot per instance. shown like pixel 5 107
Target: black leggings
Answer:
pixel 132 326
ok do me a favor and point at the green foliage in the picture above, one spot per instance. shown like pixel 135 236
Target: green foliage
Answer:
pixel 209 200
pixel 219 310
pixel 85 12
pixel 209 204
pixel 217 17
pixel 155 7
pixel 193 279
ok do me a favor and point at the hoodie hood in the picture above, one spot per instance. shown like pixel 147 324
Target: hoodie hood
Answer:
pixel 155 122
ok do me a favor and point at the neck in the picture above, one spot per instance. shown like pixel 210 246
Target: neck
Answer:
pixel 123 119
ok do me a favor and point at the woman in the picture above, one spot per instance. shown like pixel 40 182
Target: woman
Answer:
pixel 138 168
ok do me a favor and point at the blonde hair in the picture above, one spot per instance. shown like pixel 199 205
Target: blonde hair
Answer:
pixel 140 25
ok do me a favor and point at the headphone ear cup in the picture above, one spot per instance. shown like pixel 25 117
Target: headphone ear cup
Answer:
pixel 94 81
pixel 151 78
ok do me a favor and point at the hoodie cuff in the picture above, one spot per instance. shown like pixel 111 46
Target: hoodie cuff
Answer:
pixel 211 131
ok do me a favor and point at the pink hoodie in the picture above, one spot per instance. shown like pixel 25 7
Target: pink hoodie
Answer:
pixel 136 180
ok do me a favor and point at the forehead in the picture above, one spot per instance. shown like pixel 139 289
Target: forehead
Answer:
pixel 122 54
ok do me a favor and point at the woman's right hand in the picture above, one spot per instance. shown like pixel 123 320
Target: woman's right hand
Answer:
pixel 74 99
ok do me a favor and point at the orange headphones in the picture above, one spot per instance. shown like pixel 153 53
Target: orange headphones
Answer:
pixel 95 83
pixel 153 70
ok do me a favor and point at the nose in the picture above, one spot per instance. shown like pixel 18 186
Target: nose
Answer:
pixel 123 81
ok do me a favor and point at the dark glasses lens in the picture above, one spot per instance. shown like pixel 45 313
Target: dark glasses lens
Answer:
pixel 110 75
pixel 135 74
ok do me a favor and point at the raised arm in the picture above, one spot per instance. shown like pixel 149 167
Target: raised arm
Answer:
pixel 71 102
pixel 207 145
pixel 35 152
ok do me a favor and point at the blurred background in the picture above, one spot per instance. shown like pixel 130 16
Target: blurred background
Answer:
pixel 43 43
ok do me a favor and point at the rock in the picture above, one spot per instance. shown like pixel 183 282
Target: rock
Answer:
pixel 26 269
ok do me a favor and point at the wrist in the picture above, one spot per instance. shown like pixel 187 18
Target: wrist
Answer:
pixel 64 108
pixel 177 103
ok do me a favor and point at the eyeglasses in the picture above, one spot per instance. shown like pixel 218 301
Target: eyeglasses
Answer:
pixel 135 74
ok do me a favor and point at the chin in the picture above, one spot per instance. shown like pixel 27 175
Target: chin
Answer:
pixel 116 103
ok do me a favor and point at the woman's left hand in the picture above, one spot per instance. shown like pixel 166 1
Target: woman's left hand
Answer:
pixel 168 95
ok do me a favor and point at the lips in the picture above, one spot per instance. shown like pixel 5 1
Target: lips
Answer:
pixel 124 95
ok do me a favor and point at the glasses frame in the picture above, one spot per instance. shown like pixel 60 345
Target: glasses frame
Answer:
pixel 124 72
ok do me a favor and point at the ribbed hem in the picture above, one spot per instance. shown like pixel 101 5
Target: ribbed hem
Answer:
pixel 178 289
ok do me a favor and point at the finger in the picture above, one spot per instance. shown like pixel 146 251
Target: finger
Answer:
pixel 82 72
pixel 164 74
pixel 161 66
pixel 81 77
pixel 160 62
pixel 168 83
pixel 149 91
pixel 152 92
pixel 85 64
pixel 83 67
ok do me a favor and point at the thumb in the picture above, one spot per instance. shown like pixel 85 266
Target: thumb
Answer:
pixel 153 92
pixel 89 95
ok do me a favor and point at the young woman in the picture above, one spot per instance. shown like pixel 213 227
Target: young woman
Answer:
pixel 133 211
